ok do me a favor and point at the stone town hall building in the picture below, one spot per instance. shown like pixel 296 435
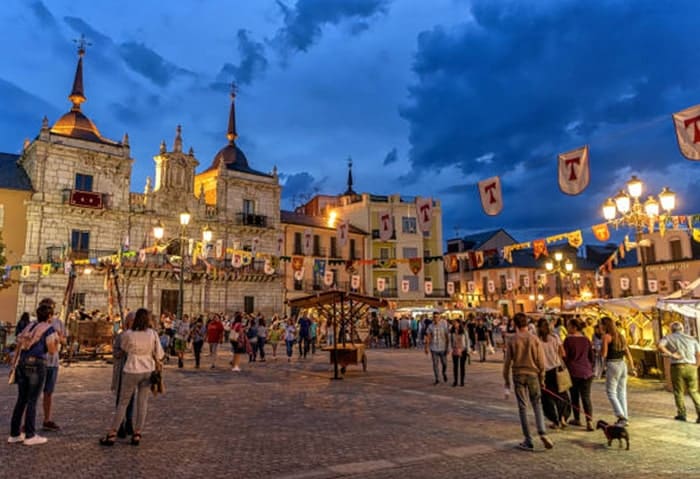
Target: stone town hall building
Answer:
pixel 82 207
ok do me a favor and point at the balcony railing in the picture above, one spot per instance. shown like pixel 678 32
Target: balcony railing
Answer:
pixel 252 220
pixel 86 199
pixel 57 254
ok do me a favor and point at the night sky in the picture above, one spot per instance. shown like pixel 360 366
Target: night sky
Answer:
pixel 427 97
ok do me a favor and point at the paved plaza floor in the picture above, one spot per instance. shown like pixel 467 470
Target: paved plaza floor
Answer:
pixel 290 420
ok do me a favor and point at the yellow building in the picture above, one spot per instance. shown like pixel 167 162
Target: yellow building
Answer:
pixel 15 190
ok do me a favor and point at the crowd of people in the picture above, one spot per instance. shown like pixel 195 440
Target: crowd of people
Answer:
pixel 548 363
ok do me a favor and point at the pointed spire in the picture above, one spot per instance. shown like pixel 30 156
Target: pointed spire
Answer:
pixel 231 133
pixel 163 148
pixel 178 139
pixel 147 188
pixel 349 191
pixel 77 95
pixel 125 139
pixel 191 152
pixel 45 123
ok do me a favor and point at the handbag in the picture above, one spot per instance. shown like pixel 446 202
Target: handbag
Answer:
pixel 156 379
pixel 563 379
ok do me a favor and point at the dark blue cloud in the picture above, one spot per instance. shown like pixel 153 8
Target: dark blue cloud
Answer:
pixel 96 38
pixel 43 14
pixel 253 61
pixel 304 22
pixel 298 188
pixel 391 157
pixel 526 80
pixel 150 64
pixel 20 113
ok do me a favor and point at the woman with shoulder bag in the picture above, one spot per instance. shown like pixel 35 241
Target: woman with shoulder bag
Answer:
pixel 614 351
pixel 143 351
pixel 555 404
pixel 459 344
pixel 34 342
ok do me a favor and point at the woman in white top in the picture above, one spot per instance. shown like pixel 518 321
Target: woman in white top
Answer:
pixel 555 405
pixel 142 347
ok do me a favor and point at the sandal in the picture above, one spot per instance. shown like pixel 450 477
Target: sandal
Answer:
pixel 109 439
pixel 136 439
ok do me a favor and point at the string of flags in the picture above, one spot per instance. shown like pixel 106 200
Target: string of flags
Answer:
pixel 213 255
pixel 573 167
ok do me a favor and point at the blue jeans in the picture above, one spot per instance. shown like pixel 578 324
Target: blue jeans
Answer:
pixel 527 388
pixel 439 357
pixel 290 347
pixel 261 347
pixel 30 381
pixel 616 387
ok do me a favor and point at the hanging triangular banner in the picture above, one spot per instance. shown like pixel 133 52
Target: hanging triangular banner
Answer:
pixel 687 123
pixel 574 172
pixel 491 196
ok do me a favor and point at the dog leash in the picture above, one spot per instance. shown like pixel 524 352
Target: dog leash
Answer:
pixel 552 393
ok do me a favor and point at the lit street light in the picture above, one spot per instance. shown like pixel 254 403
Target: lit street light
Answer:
pixel 634 213
pixel 159 233
pixel 561 271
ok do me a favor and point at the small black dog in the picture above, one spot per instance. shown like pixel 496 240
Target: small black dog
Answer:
pixel 614 431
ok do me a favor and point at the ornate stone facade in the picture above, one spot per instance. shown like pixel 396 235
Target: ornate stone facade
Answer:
pixel 82 208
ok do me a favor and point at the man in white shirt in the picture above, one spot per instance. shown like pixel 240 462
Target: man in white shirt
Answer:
pixel 437 341
pixel 684 352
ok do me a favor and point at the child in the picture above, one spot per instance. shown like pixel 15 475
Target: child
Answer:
pixel 164 343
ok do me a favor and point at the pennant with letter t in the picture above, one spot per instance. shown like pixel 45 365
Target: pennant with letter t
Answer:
pixel 574 172
pixel 491 197
pixel 687 123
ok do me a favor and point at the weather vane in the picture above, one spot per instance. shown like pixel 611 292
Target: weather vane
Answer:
pixel 234 88
pixel 82 43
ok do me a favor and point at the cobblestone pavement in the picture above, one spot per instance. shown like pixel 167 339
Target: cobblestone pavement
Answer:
pixel 289 420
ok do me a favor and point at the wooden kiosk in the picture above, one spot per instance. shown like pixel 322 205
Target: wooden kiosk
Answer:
pixel 341 310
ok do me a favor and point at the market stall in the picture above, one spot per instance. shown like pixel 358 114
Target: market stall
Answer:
pixel 342 311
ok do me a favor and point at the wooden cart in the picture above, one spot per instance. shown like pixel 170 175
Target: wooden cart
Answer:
pixel 347 354
pixel 341 309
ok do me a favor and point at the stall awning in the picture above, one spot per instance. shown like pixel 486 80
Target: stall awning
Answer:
pixel 693 290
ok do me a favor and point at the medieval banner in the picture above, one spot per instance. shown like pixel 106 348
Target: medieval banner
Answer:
pixel 381 284
pixel 574 171
pixel 328 277
pixel 539 248
pixel 471 286
pixel 415 265
pixel 424 212
pixel 280 244
pixel 687 124
pixel 308 242
pixel 428 287
pixel 355 281
pixel 601 232
pixel 341 233
pixel 386 225
pixel 297 263
pixel 491 286
pixel 451 263
pixel 491 197
pixel 405 286
pixel 450 288
pixel 219 250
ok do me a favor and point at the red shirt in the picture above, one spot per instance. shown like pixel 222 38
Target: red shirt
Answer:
pixel 215 331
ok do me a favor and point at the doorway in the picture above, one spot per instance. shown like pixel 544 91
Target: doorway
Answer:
pixel 168 300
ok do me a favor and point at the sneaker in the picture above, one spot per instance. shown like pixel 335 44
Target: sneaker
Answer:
pixel 16 439
pixel 237 369
pixel 680 417
pixel 548 444
pixel 526 446
pixel 35 440
pixel 50 426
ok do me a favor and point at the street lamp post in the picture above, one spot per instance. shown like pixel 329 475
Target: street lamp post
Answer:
pixel 636 214
pixel 159 233
pixel 561 271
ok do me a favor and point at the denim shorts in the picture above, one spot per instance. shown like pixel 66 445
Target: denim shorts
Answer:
pixel 51 378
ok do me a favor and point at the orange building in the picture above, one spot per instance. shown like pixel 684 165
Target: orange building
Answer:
pixel 15 189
